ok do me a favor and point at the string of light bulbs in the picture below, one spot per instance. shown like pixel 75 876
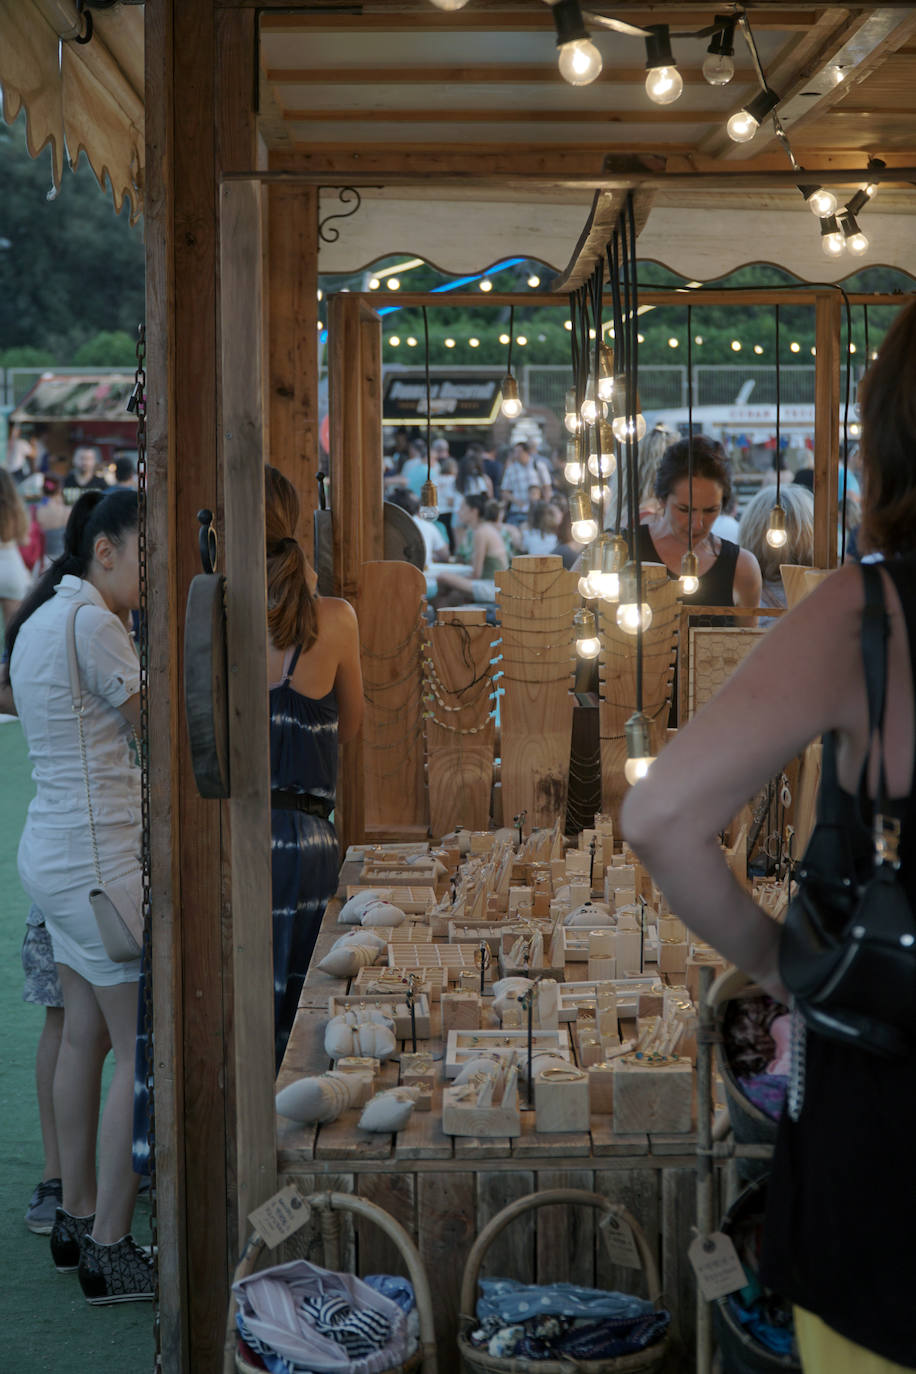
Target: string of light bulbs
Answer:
pixel 690 568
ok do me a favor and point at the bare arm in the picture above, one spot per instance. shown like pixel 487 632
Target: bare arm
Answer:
pixel 479 553
pixel 803 679
pixel 130 710
pixel 7 704
pixel 348 681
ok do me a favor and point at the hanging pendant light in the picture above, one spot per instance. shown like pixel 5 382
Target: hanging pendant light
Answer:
pixel 820 202
pixel 574 471
pixel 578 58
pixel 450 5
pixel 605 372
pixel 613 551
pixel 571 418
pixel 632 616
pixel 718 67
pixel 429 496
pixel 601 459
pixel 584 524
pixel 689 579
pixel 664 83
pixel 833 244
pixel 777 534
pixel 587 565
pixel 593 408
pixel 588 645
pixel 639 748
pixel 856 241
pixel 744 124
pixel 511 404
pixel 629 427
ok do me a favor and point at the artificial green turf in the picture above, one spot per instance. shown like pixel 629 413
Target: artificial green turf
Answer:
pixel 48 1327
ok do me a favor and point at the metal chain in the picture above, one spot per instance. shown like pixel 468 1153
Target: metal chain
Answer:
pixel 138 405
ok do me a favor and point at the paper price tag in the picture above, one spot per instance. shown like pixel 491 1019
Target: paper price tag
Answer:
pixel 280 1216
pixel 618 1238
pixel 717 1266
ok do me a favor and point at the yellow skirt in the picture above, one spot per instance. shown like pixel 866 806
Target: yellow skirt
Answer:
pixel 825 1351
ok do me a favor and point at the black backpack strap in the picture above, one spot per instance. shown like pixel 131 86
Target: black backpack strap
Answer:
pixel 875 635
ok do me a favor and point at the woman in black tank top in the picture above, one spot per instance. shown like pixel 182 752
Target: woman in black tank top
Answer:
pixel 729 576
pixel 841 1215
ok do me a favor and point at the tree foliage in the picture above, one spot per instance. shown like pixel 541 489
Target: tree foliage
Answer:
pixel 70 268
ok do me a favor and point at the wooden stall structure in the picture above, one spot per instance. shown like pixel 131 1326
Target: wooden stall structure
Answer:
pixel 234 124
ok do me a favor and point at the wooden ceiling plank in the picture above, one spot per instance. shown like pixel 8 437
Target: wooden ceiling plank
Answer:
pixel 480 116
pixel 536 16
pixel 497 73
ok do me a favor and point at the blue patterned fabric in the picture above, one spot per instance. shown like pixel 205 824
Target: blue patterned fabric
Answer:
pixel 304 853
pixel 512 1301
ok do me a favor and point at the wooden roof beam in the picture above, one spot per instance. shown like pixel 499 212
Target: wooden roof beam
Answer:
pixel 378 15
pixel 503 73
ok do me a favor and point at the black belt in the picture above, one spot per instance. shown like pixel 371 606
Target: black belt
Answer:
pixel 302 801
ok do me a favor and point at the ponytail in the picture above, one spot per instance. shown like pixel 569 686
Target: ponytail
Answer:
pixel 112 513
pixel 292 617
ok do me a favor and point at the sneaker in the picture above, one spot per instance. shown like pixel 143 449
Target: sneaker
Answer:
pixel 122 1272
pixel 43 1204
pixel 66 1235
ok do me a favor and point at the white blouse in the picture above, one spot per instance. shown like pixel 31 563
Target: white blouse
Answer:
pixel 110 675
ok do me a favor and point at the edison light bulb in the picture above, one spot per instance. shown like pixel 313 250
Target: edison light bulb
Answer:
pixel 633 427
pixel 599 493
pixel 776 538
pixel 833 245
pixel 689 580
pixel 571 417
pixel 776 535
pixel 857 243
pixel 610 586
pixel 631 618
pixel 511 405
pixel 574 471
pixel 593 408
pixel 605 373
pixel 588 645
pixel 822 203
pixel 429 502
pixel 584 530
pixel 718 69
pixel 602 465
pixel 742 127
pixel 636 769
pixel 449 5
pixel 579 62
pixel 664 85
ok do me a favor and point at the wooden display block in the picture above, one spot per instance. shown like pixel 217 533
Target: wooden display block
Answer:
pixel 460 1011
pixel 651 1001
pixel 579 893
pixel 576 995
pixel 589 1049
pixel 450 958
pixel 461 1114
pixel 602 970
pixel 374 982
pixel 578 864
pixel 671 928
pixel 394 872
pixel 701 959
pixel 653 1098
pixel 519 896
pixel 546 1005
pixel 465 1045
pixel 362 1070
pixel 557 872
pixel 601 1088
pixel 561 1100
pixel 672 957
pixel 629 945
pixel 419 1071
pixel 414 901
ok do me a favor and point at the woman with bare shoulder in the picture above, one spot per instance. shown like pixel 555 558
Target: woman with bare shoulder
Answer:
pixel 316 703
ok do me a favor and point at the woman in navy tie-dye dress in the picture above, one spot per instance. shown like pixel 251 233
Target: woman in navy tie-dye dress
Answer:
pixel 315 703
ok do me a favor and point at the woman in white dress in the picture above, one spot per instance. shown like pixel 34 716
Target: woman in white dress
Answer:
pixel 14 530
pixel 98 572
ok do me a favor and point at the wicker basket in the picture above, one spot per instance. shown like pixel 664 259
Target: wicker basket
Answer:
pixel 750 1125
pixel 329 1205
pixel 482 1363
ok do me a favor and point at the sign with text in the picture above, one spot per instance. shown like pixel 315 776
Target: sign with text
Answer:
pixel 455 399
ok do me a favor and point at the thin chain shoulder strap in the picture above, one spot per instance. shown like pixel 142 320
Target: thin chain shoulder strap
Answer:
pixel 76 695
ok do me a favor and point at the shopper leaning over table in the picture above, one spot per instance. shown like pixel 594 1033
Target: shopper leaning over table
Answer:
pixel 98 573
pixel 841 1225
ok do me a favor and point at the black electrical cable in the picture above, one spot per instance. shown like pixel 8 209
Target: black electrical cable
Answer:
pixel 597 293
pixel 632 449
pixel 429 403
pixel 511 338
pixel 846 424
pixel 778 410
pixel 613 258
pixel 867 351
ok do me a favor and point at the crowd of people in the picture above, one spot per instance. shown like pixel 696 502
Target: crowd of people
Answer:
pixel 494 504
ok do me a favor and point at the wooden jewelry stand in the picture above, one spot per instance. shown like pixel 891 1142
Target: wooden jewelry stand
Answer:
pixel 460 720
pixel 537 598
pixel 392 633
pixel 617 676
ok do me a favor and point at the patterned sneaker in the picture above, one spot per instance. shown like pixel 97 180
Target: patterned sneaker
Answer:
pixel 122 1272
pixel 66 1235
pixel 43 1204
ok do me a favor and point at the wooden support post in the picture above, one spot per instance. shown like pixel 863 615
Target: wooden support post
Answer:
pixel 355 385
pixel 828 317
pixel 254 1136
pixel 292 312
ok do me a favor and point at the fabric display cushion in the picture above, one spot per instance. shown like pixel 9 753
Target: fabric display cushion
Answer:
pixel 354 908
pixel 389 1111
pixel 381 913
pixel 367 1033
pixel 590 914
pixel 320 1099
pixel 353 951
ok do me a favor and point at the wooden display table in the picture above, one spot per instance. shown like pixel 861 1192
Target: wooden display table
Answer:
pixel 444 1189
